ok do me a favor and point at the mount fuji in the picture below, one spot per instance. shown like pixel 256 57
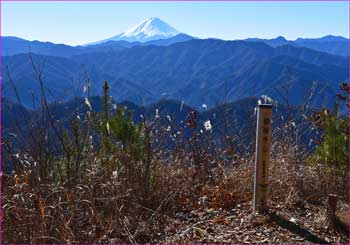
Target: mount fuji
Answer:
pixel 148 30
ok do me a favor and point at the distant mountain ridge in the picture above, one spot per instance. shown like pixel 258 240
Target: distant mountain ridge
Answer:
pixel 13 46
pixel 154 31
pixel 153 61
pixel 336 45
pixel 199 71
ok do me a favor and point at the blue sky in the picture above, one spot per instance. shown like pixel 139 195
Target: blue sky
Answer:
pixel 79 23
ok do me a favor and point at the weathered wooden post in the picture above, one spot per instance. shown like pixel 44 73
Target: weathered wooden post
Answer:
pixel 262 157
pixel 331 209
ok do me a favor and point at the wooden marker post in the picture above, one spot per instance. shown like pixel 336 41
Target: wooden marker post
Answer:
pixel 262 157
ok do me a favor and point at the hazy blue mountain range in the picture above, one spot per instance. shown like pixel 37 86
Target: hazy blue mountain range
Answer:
pixel 157 32
pixel 330 44
pixel 199 71
pixel 177 66
pixel 14 45
pixel 151 31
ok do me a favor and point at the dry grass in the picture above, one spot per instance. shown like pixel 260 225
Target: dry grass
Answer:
pixel 119 196
pixel 112 208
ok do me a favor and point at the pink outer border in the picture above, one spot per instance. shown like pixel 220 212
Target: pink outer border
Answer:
pixel 1 78
pixel 174 1
pixel 1 81
pixel 349 79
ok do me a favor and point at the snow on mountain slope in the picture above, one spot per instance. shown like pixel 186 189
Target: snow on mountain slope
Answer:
pixel 148 30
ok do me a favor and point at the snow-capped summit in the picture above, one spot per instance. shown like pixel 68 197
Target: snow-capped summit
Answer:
pixel 148 30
